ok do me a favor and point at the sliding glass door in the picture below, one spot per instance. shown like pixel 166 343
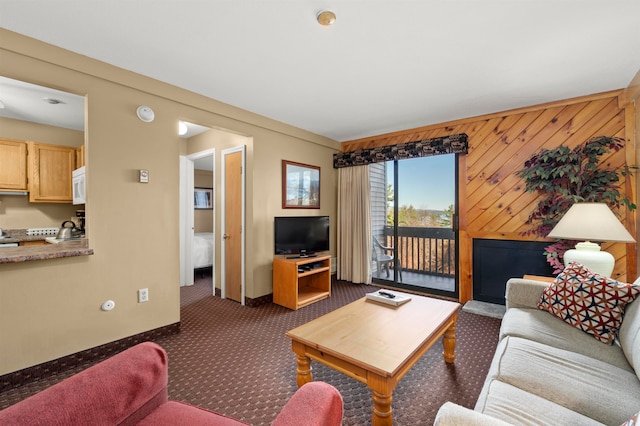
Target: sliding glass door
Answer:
pixel 413 217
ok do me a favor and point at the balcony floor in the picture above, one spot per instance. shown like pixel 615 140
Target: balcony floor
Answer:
pixel 418 279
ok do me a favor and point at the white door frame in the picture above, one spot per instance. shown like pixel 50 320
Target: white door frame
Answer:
pixel 186 221
pixel 223 209
pixel 186 215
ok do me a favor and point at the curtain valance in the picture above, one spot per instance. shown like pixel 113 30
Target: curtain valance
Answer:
pixel 452 144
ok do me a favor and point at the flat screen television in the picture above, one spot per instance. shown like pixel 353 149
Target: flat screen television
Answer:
pixel 301 235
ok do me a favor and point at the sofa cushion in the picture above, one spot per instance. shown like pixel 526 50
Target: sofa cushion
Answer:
pixel 588 386
pixel 314 404
pixel 588 301
pixel 523 293
pixel 451 414
pixel 629 335
pixel 593 388
pixel 129 386
pixel 515 406
pixel 178 413
pixel 539 326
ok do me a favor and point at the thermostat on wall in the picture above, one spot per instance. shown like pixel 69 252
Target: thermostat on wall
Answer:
pixel 144 176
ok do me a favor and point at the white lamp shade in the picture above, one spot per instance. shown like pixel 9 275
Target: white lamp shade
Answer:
pixel 591 222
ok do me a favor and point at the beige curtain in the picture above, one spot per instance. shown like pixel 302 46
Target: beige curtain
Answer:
pixel 354 225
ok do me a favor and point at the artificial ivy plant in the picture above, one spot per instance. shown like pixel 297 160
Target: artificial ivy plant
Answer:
pixel 566 176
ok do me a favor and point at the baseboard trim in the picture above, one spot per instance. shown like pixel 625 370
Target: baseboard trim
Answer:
pixel 99 353
pixel 262 300
pixel 249 302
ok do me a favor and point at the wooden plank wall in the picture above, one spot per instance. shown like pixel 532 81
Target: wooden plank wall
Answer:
pixel 492 203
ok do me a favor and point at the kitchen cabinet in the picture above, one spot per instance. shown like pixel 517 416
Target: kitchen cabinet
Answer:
pixel 80 156
pixel 13 165
pixel 50 169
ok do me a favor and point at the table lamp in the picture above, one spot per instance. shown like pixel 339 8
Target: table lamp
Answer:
pixel 591 222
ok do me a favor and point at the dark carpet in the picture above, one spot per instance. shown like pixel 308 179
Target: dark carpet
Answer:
pixel 237 361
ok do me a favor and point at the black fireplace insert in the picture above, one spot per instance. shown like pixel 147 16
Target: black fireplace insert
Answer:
pixel 495 261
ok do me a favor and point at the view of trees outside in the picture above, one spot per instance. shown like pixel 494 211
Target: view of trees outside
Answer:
pixel 426 191
pixel 410 216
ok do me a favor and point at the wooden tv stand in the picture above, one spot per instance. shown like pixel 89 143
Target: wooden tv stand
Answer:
pixel 293 289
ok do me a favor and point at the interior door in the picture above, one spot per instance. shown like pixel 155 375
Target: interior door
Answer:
pixel 233 224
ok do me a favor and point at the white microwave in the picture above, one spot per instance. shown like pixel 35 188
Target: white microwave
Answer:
pixel 79 186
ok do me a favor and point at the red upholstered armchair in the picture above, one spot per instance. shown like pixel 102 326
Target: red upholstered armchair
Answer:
pixel 130 388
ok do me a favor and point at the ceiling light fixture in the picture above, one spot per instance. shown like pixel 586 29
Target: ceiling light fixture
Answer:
pixel 326 17
pixel 53 101
pixel 182 128
pixel 145 114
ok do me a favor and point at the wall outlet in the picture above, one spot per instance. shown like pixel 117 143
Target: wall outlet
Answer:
pixel 143 295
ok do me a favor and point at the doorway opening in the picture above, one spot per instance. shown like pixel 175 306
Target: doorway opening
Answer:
pixel 204 210
pixel 197 236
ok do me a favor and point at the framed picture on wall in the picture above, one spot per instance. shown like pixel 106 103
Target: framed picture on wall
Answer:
pixel 203 198
pixel 300 186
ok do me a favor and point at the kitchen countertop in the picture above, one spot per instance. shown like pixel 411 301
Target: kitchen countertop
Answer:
pixel 18 236
pixel 70 248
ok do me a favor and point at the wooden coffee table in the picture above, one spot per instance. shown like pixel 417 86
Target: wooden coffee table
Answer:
pixel 376 344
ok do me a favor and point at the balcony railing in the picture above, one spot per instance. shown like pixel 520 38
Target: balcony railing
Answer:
pixel 424 250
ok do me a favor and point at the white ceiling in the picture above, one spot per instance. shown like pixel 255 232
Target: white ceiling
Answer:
pixel 383 66
pixel 204 163
pixel 24 101
pixel 30 102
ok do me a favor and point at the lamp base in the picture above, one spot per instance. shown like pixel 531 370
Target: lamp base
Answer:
pixel 590 255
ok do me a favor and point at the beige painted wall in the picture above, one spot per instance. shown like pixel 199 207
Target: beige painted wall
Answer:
pixel 35 132
pixel 268 195
pixel 16 212
pixel 49 309
pixel 203 218
pixel 264 154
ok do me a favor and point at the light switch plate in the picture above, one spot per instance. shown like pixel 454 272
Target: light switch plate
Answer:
pixel 144 176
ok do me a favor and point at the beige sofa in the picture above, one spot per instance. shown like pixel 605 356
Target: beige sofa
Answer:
pixel 546 372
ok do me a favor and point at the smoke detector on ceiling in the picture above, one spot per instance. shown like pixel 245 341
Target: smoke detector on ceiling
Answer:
pixel 145 113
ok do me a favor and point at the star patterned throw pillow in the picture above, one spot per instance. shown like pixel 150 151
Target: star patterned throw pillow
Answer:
pixel 633 421
pixel 588 301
